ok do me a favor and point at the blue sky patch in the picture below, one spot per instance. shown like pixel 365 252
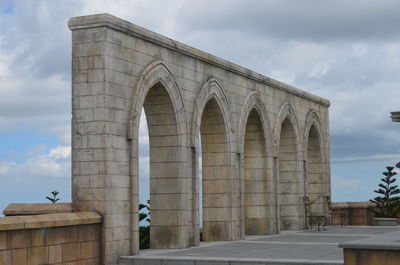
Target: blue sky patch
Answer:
pixel 18 146
pixel 7 7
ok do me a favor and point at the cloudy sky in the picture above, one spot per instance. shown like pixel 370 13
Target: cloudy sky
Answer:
pixel 346 51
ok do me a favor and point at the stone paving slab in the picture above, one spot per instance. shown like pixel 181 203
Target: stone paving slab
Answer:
pixel 302 247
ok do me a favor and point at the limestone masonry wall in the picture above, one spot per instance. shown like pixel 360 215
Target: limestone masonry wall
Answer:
pixel 63 238
pixel 264 144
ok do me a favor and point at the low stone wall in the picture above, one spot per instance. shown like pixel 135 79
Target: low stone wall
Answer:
pixel 371 257
pixel 63 238
pixel 377 250
pixel 356 213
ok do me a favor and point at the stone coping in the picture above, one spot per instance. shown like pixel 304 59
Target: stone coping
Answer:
pixel 343 205
pixel 36 208
pixel 387 241
pixel 107 20
pixel 48 220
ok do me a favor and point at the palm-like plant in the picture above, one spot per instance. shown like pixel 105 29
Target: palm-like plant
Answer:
pixel 388 202
pixel 53 199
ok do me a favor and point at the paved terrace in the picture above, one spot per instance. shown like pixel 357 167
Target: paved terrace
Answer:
pixel 303 247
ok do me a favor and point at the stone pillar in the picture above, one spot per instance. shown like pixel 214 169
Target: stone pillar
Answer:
pixel 100 149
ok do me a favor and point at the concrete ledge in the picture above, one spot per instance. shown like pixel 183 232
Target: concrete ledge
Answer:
pixel 48 220
pixel 36 208
pixel 387 241
pixel 106 20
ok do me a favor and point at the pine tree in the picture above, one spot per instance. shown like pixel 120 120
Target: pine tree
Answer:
pixel 388 203
pixel 144 230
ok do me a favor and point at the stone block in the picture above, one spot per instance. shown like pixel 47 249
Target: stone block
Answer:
pixel 55 254
pixel 71 252
pixel 255 198
pixel 71 234
pixel 88 35
pixel 216 231
pixel 216 186
pixel 87 249
pixel 18 239
pixel 256 211
pixel 38 221
pixel 11 223
pixel 87 102
pixel 168 217
pixel 38 255
pixel 96 248
pixel 166 185
pixel 216 214
pixel 38 237
pixel 5 257
pixel 98 62
pixel 256 226
pixel 216 200
pixel 168 202
pixel 220 172
pixel 56 235
pixel 165 170
pixel 3 240
pixel 19 256
pixel 118 181
pixel 116 234
pixel 164 237
pixel 117 194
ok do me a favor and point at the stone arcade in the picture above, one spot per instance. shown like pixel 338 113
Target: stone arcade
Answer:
pixel 265 144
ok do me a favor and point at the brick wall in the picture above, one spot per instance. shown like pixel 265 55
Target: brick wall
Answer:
pixel 68 238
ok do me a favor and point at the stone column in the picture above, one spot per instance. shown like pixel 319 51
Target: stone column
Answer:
pixel 100 149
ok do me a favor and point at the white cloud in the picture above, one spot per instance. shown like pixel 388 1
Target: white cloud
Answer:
pixel 347 183
pixel 377 157
pixel 53 164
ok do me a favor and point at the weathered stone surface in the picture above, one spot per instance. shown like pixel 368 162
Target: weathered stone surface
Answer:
pixel 265 144
pixel 36 208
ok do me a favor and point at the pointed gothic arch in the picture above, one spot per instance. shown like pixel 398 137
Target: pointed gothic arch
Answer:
pixel 254 145
pixel 315 183
pixel 289 176
pixel 212 121
pixel 159 95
